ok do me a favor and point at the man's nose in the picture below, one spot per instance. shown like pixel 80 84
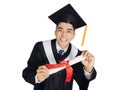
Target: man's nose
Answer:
pixel 63 34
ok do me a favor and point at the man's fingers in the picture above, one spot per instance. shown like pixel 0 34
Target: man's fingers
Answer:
pixel 42 69
pixel 42 75
pixel 85 53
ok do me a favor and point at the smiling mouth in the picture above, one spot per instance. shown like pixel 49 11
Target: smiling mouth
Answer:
pixel 63 40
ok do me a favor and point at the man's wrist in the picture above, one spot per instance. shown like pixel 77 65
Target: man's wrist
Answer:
pixel 88 69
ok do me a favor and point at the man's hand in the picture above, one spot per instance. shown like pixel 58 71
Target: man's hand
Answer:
pixel 42 73
pixel 89 61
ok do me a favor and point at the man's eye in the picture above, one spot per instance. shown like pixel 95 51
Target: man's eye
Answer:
pixel 69 31
pixel 59 30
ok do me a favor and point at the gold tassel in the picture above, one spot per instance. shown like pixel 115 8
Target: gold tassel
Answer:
pixel 83 39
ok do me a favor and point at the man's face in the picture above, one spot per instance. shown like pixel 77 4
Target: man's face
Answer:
pixel 64 34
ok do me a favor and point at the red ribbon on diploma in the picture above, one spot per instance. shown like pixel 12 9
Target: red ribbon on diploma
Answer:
pixel 69 69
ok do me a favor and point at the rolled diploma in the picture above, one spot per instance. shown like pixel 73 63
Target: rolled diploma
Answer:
pixel 71 62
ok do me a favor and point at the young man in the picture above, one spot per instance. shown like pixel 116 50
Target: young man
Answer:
pixel 52 51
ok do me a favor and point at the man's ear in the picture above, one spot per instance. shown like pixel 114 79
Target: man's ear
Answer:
pixel 74 35
pixel 55 32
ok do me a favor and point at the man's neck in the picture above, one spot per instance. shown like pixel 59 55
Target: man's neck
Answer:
pixel 59 48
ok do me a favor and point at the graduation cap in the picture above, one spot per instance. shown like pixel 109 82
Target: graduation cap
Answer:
pixel 69 15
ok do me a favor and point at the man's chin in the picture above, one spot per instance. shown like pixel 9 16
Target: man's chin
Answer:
pixel 63 44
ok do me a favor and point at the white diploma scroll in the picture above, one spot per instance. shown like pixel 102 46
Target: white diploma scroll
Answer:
pixel 71 62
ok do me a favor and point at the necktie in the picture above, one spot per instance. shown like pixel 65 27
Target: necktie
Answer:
pixel 61 53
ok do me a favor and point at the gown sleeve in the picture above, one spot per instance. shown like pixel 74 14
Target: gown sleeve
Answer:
pixel 79 76
pixel 34 61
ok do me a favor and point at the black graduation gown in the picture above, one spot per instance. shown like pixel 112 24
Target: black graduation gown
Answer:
pixel 55 81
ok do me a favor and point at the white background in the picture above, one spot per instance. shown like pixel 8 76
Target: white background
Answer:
pixel 24 22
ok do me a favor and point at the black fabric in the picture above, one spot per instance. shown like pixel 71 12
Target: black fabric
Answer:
pixel 69 15
pixel 55 81
pixel 37 58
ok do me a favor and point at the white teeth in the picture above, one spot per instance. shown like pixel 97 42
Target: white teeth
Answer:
pixel 63 40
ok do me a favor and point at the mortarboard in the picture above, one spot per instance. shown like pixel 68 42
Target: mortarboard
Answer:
pixel 69 15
